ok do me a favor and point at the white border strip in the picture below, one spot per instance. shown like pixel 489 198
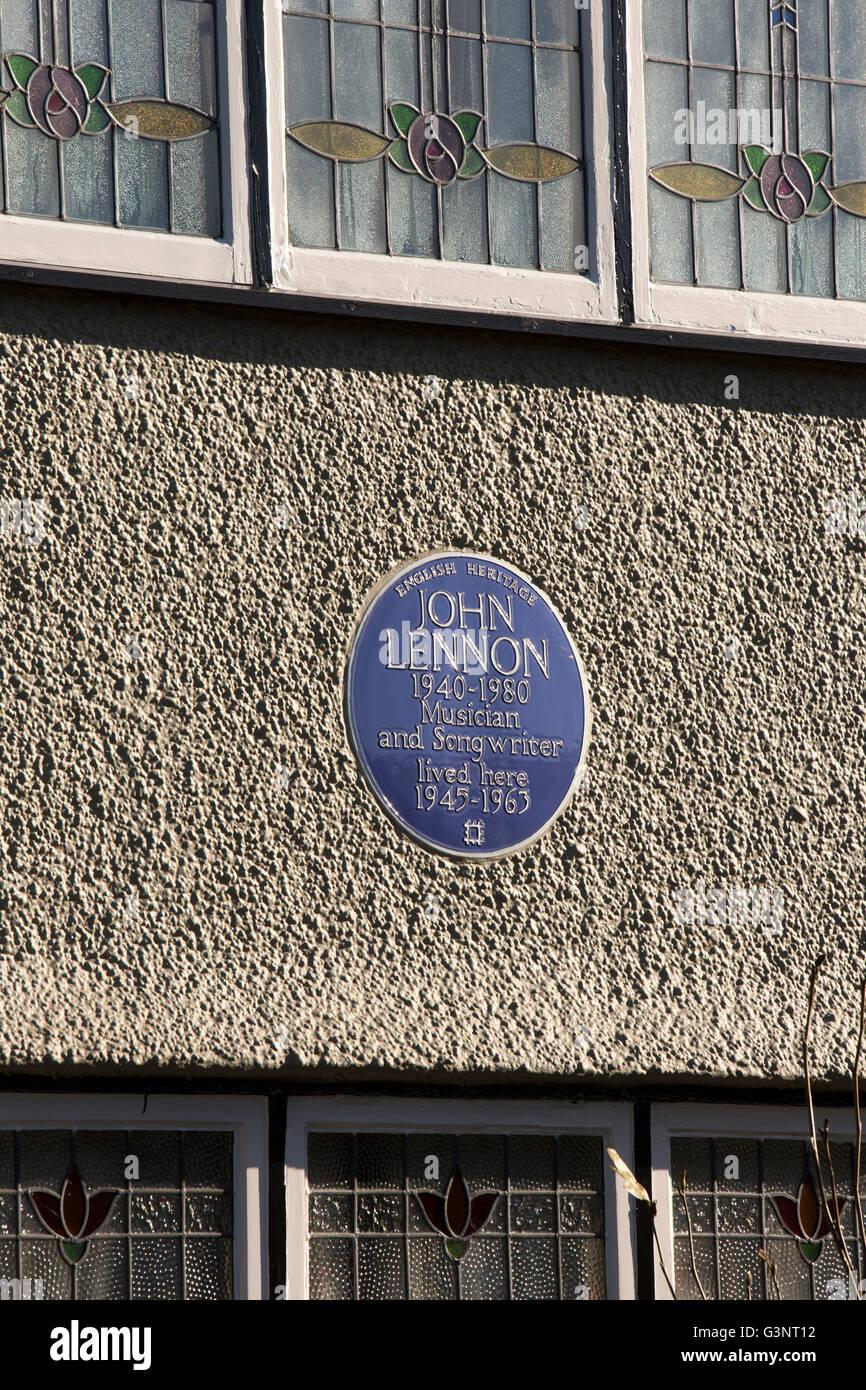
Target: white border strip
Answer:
pixel 245 1116
pixel 613 1120
pixel 387 279
pixel 719 1122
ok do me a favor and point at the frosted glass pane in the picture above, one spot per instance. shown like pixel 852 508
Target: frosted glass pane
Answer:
pixel 191 44
pixel 464 221
pixel 814 39
pixel 711 28
pixel 557 22
pixel 508 19
pixel 88 180
pixel 137 48
pixel 195 186
pixel 717 238
pixel 142 183
pixel 559 124
pixel 467 89
pixel 89 38
pixel 19 31
pixel 849 39
pixel 311 179
pixel 464 16
pixel 815 116
pixel 305 54
pixel 664 28
pixel 513 205
pixel 358 97
pixel 666 93
pixel 670 237
pixel 753 25
pixel 413 202
pixel 509 93
pixel 717 91
pixel 393 11
pixel 195 170
pixel 357 9
pixel 31 171
pixel 850 128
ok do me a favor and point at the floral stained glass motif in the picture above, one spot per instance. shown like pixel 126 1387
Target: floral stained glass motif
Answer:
pixel 752 1222
pixel 449 129
pixel 117 1214
pixel 456 1216
pixel 754 112
pixel 109 114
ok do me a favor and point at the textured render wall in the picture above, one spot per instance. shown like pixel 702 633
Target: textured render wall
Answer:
pixel 175 640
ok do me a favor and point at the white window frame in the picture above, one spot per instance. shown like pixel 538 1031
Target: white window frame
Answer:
pixel 750 313
pixel 90 246
pixel 411 280
pixel 722 1122
pixel 613 1121
pixel 245 1116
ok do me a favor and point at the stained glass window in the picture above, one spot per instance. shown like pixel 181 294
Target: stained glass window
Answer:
pixel 456 1216
pixel 115 1214
pixel 756 111
pixel 746 1196
pixel 109 113
pixel 447 129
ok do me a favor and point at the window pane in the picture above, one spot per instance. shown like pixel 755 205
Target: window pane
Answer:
pixel 117 127
pixel 151 1213
pixel 459 146
pixel 743 1196
pixel 755 147
pixel 456 1216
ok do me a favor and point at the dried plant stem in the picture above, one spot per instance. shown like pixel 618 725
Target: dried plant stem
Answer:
pixel 861 1227
pixel 661 1256
pixel 813 1136
pixel 682 1191
pixel 835 1217
pixel 772 1268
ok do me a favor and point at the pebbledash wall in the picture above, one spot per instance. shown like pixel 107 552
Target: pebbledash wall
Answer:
pixel 196 882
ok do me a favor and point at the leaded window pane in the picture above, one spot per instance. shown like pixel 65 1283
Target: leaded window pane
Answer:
pixel 116 1214
pixel 456 1216
pixel 110 113
pixel 756 116
pixel 747 1196
pixel 445 129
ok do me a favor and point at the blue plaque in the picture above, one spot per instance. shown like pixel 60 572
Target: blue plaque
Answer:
pixel 466 704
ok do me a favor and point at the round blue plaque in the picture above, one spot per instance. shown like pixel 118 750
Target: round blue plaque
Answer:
pixel 466 704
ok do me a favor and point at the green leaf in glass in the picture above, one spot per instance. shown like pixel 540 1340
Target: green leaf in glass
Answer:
pixel 93 76
pixel 456 1248
pixel 752 195
pixel 756 157
pixel 16 107
pixel 816 162
pixel 473 165
pixel 398 153
pixel 21 67
pixel 810 1250
pixel 402 114
pixel 467 123
pixel 97 120
pixel 821 201
pixel 73 1250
